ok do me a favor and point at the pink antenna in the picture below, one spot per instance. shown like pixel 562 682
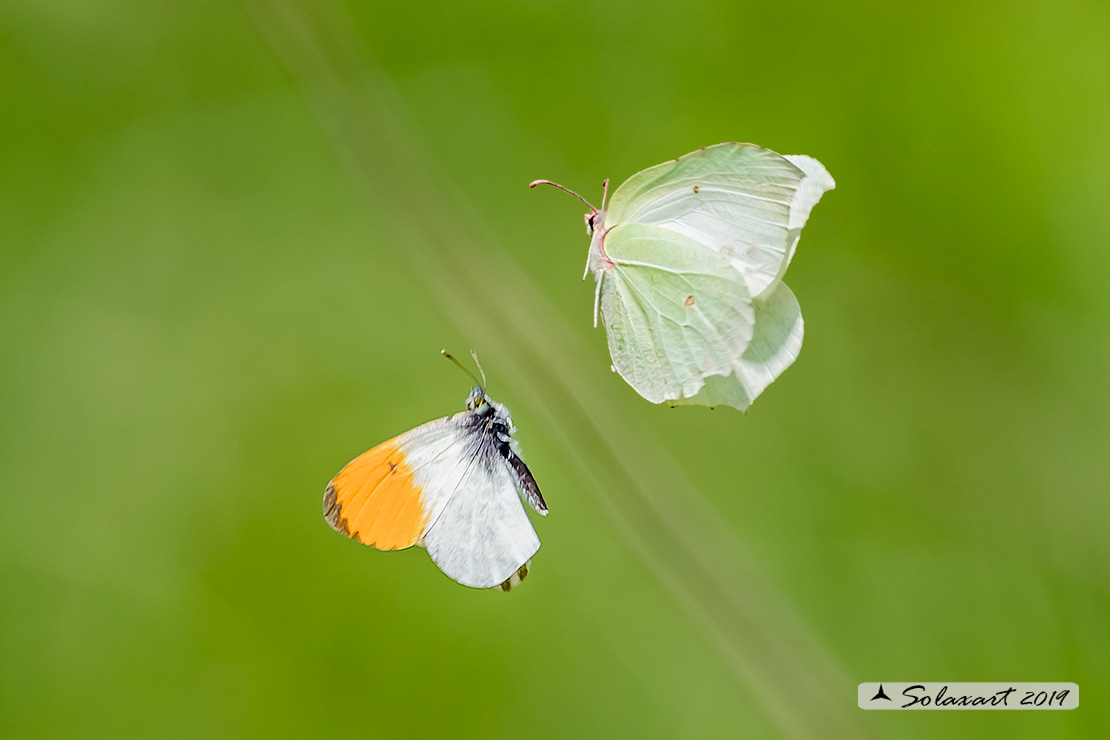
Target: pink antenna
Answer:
pixel 604 192
pixel 534 183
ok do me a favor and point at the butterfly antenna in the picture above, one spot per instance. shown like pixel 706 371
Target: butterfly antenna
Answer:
pixel 474 354
pixel 534 183
pixel 604 192
pixel 451 357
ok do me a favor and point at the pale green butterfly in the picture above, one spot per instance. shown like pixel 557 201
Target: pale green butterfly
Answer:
pixel 689 259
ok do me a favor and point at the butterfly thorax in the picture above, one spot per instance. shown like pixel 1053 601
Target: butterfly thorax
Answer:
pixel 598 260
pixel 491 423
pixel 595 219
pixel 485 412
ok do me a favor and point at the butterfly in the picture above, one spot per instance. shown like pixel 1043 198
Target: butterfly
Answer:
pixel 453 486
pixel 689 258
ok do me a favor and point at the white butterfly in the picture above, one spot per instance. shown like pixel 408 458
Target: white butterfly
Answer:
pixel 689 259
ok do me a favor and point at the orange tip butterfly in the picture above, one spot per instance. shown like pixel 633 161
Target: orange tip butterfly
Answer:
pixel 453 486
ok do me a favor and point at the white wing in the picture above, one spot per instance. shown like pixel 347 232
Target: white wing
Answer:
pixel 775 346
pixel 733 198
pixel 817 182
pixel 675 312
pixel 481 535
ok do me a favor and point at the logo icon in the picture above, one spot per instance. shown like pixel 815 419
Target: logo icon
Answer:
pixel 881 695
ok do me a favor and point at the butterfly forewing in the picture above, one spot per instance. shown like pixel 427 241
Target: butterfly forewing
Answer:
pixel 732 198
pixel 388 496
pixel 817 182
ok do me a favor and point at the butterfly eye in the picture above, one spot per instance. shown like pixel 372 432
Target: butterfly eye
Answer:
pixel 589 224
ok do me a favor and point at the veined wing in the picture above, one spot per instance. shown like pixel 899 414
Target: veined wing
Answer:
pixel 777 341
pixel 442 485
pixel 483 537
pixel 381 498
pixel 732 198
pixel 675 311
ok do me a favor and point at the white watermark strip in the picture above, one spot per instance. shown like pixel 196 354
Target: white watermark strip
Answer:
pixel 942 695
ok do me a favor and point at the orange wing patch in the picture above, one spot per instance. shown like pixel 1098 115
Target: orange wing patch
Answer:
pixel 375 501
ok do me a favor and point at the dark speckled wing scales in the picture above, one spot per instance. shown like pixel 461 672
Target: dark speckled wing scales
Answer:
pixel 526 484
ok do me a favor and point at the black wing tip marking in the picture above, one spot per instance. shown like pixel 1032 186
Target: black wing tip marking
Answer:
pixel 333 511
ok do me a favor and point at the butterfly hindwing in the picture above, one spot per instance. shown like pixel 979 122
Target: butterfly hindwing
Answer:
pixel 777 341
pixel 483 536
pixel 675 312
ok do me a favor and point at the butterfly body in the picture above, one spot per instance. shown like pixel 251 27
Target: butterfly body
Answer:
pixel 597 260
pixel 454 486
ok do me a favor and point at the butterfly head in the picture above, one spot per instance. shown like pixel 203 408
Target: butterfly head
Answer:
pixel 594 221
pixel 477 399
pixel 493 416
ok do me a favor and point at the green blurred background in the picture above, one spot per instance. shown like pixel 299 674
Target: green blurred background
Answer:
pixel 234 237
